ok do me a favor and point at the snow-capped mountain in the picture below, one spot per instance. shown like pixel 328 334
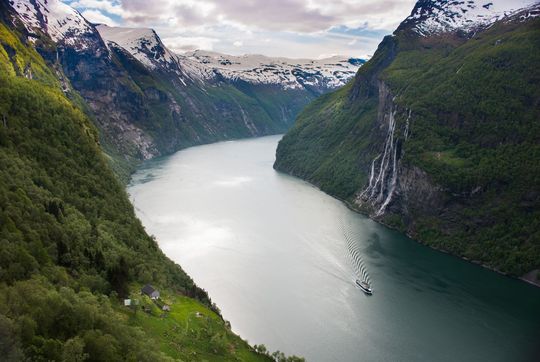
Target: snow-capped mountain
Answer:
pixel 146 46
pixel 431 17
pixel 142 43
pixel 326 73
pixel 67 27
pixel 59 21
pixel 148 101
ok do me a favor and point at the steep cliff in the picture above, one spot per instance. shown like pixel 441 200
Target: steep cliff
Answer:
pixel 438 135
pixel 148 101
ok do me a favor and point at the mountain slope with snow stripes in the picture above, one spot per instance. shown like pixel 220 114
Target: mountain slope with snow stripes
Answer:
pixel 442 16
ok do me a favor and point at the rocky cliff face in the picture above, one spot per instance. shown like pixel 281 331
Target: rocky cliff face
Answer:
pixel 81 58
pixel 431 136
pixel 395 187
pixel 148 101
pixel 385 166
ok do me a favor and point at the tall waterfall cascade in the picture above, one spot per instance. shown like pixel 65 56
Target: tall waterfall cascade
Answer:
pixel 383 176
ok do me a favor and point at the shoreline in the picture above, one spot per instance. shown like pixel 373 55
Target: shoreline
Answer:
pixel 140 163
pixel 528 278
pixel 532 277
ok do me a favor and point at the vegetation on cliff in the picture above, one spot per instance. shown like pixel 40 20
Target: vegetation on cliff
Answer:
pixel 474 138
pixel 70 245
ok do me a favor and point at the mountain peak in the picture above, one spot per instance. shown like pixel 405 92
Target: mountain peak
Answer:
pixel 430 17
pixel 54 18
pixel 142 43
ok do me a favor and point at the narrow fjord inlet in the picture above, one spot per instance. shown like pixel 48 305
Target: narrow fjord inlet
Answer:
pixel 270 181
pixel 280 258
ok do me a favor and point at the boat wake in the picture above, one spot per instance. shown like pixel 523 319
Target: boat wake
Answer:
pixel 360 270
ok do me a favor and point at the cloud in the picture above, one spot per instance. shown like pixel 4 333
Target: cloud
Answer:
pixel 303 16
pixel 296 28
pixel 181 44
pixel 291 15
pixel 183 13
pixel 377 14
pixel 97 17
pixel 111 7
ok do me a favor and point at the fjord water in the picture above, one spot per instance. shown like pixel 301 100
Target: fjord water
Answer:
pixel 280 258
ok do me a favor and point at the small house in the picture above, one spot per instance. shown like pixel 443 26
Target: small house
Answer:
pixel 166 308
pixel 127 302
pixel 150 291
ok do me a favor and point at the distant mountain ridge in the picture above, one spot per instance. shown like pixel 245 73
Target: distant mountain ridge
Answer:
pixel 148 101
pixel 316 75
pixel 438 135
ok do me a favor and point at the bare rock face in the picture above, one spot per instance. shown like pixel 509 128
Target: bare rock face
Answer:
pixel 149 101
pixel 394 186
pixel 418 193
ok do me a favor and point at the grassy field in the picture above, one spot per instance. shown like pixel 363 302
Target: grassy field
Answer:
pixel 189 332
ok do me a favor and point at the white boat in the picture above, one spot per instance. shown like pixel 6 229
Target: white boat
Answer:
pixel 364 286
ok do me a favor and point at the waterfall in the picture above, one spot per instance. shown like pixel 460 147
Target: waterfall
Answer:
pixel 372 171
pixel 383 176
pixel 392 185
pixel 373 187
pixel 407 122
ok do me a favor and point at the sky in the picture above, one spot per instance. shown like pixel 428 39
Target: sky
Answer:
pixel 285 28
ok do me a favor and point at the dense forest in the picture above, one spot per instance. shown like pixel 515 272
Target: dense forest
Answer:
pixel 71 248
pixel 466 133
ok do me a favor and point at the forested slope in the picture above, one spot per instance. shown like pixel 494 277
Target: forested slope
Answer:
pixel 70 245
pixel 438 136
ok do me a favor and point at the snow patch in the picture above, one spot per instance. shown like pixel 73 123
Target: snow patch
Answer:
pixel 54 18
pixel 326 73
pixel 142 43
pixel 441 16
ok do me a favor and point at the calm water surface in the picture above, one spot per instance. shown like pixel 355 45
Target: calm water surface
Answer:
pixel 280 258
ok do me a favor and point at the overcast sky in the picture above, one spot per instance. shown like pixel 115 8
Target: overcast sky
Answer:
pixel 290 28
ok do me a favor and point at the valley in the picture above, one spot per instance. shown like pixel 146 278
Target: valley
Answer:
pixel 160 201
pixel 277 254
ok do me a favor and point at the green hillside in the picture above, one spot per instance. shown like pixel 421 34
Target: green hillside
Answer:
pixel 469 172
pixel 71 247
